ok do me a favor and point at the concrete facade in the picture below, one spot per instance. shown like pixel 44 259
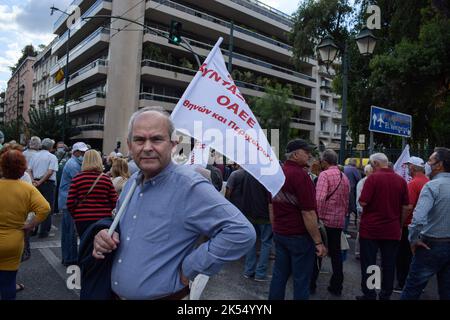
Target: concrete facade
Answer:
pixel 116 68
pixel 20 91
pixel 42 81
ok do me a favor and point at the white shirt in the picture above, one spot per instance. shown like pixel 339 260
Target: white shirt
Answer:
pixel 29 153
pixel 359 188
pixel 41 162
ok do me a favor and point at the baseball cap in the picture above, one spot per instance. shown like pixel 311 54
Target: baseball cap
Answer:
pixel 298 144
pixel 81 146
pixel 416 161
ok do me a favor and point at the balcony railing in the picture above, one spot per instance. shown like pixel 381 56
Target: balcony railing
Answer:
pixel 62 62
pixel 262 89
pixel 302 121
pixel 165 66
pixel 266 10
pixel 158 97
pixel 337 134
pixel 216 20
pixel 80 22
pixel 90 66
pixel 170 67
pixel 64 16
pixel 239 56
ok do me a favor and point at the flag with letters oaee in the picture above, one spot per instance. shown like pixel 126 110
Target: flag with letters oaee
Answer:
pixel 214 112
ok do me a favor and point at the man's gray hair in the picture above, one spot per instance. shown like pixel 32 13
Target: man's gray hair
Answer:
pixel 35 143
pixel 47 144
pixel 157 109
pixel 330 156
pixel 368 168
pixel 380 157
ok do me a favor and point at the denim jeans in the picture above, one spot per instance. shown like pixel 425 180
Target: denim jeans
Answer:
pixel 69 246
pixel 368 257
pixel 425 264
pixel 8 285
pixel 258 268
pixel 293 255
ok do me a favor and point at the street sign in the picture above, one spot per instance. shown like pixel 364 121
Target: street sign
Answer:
pixel 360 147
pixel 390 122
pixel 362 138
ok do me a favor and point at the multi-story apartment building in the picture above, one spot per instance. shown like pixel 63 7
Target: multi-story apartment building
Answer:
pixel 42 80
pixel 19 91
pixel 116 66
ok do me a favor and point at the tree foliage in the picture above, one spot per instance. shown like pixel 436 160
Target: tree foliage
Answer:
pixel 274 111
pixel 45 122
pixel 27 51
pixel 409 71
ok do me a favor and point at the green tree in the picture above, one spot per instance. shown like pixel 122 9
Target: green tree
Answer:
pixel 27 51
pixel 45 122
pixel 274 111
pixel 409 71
pixel 10 130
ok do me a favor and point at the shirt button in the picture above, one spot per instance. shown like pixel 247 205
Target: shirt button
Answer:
pixel 120 260
pixel 116 283
pixel 128 238
pixel 134 217
pixel 140 195
pixel 153 182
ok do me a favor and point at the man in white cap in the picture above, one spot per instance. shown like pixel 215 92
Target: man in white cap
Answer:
pixel 416 167
pixel 69 246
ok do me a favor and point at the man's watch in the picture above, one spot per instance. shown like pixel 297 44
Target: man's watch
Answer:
pixel 318 243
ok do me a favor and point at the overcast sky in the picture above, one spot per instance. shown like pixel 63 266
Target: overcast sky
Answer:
pixel 28 21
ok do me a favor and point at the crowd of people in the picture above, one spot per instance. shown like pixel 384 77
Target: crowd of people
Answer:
pixel 176 224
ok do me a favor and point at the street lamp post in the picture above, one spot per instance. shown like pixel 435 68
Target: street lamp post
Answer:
pixel 328 51
pixel 66 73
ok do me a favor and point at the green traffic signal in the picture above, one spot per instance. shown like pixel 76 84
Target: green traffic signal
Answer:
pixel 174 34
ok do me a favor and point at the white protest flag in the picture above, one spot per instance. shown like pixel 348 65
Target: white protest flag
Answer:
pixel 213 111
pixel 199 155
pixel 400 166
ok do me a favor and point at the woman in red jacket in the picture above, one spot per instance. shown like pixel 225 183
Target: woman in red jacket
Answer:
pixel 91 194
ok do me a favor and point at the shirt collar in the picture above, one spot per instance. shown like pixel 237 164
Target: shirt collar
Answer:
pixel 166 171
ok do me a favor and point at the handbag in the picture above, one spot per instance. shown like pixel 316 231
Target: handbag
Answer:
pixel 344 242
pixel 89 191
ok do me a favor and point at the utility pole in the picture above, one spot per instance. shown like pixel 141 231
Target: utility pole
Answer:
pixel 230 48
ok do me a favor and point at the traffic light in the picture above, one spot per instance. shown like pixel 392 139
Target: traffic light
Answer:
pixel 174 34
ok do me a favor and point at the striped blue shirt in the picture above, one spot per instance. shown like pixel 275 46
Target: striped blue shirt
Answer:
pixel 431 217
pixel 165 217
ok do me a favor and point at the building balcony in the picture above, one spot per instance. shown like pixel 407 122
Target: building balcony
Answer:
pixel 91 73
pixel 214 27
pixel 167 102
pixel 164 73
pixel 240 60
pixel 337 135
pixel 324 133
pixel 82 28
pixel 89 101
pixel 266 10
pixel 87 131
pixel 336 115
pixel 325 112
pixel 94 43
